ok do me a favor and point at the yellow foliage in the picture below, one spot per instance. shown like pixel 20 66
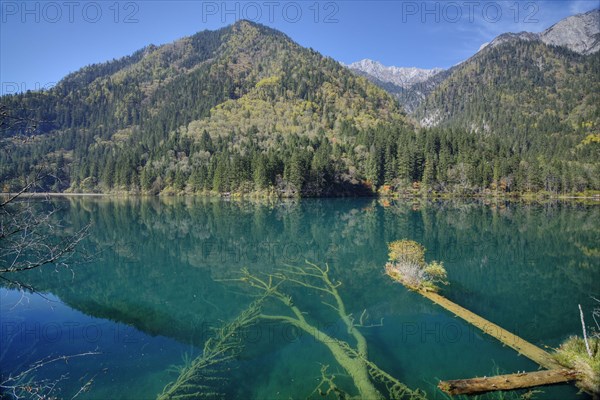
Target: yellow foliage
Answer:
pixel 437 272
pixel 591 138
pixel 407 265
pixel 407 251
pixel 588 124
pixel 269 81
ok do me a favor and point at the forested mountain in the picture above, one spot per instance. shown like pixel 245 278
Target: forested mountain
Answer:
pixel 519 87
pixel 536 95
pixel 241 106
pixel 541 98
pixel 507 69
pixel 245 109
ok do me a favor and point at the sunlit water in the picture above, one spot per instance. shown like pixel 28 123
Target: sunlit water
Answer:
pixel 162 279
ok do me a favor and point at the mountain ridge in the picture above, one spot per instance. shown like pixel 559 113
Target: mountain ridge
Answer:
pixel 523 77
pixel 579 33
pixel 400 76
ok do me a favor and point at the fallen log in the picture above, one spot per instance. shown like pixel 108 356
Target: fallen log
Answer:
pixel 529 350
pixel 407 266
pixel 507 382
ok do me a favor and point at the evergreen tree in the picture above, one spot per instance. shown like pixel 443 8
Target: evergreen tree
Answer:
pixel 295 171
pixel 389 165
pixel 108 175
pixel 429 171
pixel 259 174
pixel 373 168
pixel 180 179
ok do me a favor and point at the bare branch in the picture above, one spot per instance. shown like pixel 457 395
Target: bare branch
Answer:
pixel 585 339
pixel 37 178
pixel 24 383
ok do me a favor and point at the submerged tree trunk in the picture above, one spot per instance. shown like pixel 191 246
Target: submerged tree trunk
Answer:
pixel 529 350
pixel 412 251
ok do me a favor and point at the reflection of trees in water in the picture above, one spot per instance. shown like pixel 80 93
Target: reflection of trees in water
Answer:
pixel 508 261
pixel 516 262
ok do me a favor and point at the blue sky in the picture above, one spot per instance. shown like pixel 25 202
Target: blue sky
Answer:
pixel 41 41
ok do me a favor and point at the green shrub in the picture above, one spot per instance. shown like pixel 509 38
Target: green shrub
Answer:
pixel 573 354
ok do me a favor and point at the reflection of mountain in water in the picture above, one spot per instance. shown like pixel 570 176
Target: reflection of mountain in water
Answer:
pixel 163 261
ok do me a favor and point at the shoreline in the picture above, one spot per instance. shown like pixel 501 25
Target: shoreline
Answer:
pixel 251 196
pixel 54 194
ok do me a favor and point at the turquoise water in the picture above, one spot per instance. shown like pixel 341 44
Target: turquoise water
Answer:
pixel 162 278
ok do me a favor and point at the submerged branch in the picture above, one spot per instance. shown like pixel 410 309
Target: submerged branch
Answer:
pixel 195 380
pixel 24 384
pixel 363 372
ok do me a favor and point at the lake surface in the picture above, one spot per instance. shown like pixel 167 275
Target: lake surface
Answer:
pixel 164 276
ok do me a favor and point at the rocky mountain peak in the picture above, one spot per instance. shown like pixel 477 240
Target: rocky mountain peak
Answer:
pixel 579 33
pixel 400 76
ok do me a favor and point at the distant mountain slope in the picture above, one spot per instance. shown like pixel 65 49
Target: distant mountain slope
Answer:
pixel 528 104
pixel 579 33
pixel 400 76
pixel 294 90
pixel 519 85
pixel 409 85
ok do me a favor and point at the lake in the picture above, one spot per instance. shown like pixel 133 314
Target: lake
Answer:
pixel 165 274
